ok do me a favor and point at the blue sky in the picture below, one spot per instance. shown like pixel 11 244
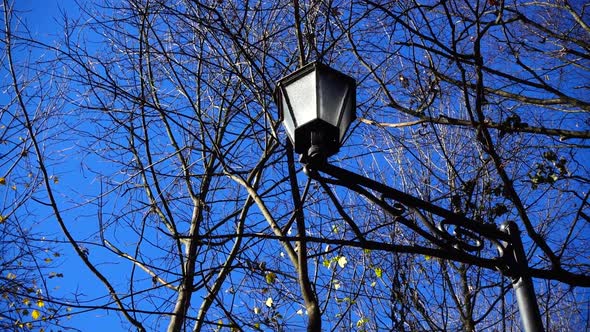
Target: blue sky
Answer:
pixel 42 15
pixel 43 18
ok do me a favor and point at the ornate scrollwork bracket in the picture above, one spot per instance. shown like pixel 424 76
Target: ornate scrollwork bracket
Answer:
pixel 453 232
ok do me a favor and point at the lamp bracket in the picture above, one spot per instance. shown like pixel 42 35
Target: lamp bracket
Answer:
pixel 452 232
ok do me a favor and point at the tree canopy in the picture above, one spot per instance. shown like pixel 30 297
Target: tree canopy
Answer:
pixel 142 142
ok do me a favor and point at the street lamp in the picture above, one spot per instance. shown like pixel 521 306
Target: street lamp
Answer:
pixel 317 105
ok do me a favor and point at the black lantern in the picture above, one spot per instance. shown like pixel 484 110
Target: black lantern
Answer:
pixel 317 104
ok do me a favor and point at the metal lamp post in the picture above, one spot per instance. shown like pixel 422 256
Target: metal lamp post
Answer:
pixel 317 105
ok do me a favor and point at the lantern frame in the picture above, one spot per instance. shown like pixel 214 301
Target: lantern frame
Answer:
pixel 317 104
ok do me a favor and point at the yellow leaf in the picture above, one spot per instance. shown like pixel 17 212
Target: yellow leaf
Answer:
pixel 11 276
pixel 270 277
pixel 378 272
pixel 337 284
pixel 35 314
pixel 2 180
pixel 342 261
pixel 55 180
pixel 26 301
pixel 269 302
pixel 40 303
pixel 2 219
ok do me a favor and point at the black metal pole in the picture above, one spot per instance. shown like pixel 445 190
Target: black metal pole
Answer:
pixel 522 281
